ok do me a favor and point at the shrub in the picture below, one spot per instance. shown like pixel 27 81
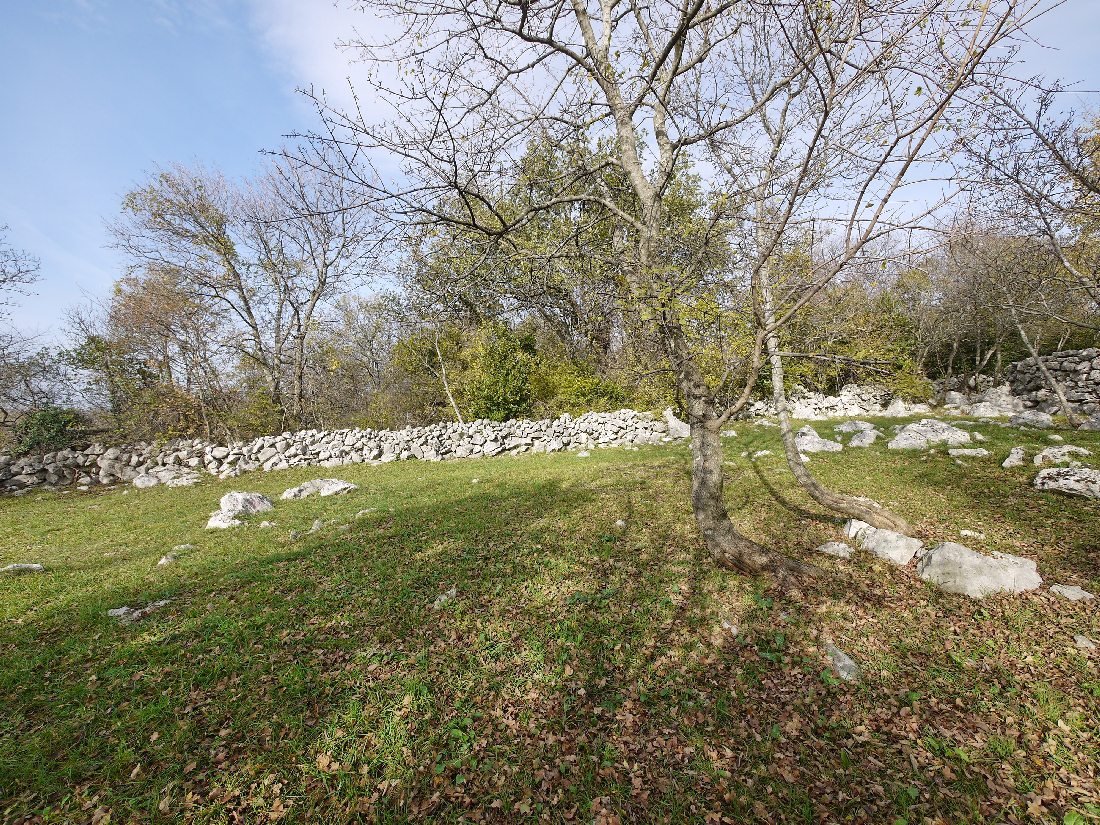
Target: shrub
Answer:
pixel 47 429
pixel 497 384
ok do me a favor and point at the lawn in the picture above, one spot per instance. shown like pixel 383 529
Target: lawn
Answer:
pixel 583 673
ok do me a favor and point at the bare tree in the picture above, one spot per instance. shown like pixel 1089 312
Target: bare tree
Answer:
pixel 803 119
pixel 271 255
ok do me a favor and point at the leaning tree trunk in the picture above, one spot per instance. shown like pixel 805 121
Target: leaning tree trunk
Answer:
pixel 838 502
pixel 727 546
pixel 1048 377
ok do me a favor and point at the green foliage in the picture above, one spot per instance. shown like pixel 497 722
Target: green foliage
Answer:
pixel 50 428
pixel 497 383
pixel 567 387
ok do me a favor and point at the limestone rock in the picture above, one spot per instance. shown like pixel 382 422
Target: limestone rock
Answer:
pixel 129 615
pixel 443 598
pixel 1084 642
pixel 221 520
pixel 676 427
pixel 925 433
pixel 1059 455
pixel 145 480
pixel 843 664
pixel 320 486
pixel 20 569
pixel 854 427
pixel 1017 457
pixel 958 569
pixel 808 441
pixel 968 452
pixel 246 503
pixel 836 548
pixel 886 544
pixel 1071 592
pixel 1077 481
pixel 865 438
pixel 1032 418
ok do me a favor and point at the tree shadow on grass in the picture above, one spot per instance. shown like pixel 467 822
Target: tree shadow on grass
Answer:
pixel 578 666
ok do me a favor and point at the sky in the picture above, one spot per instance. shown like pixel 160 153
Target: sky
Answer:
pixel 97 93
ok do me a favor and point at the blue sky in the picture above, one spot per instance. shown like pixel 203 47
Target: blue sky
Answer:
pixel 96 93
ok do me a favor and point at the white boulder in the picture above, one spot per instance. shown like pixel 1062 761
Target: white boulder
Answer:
pixel 1032 418
pixel 958 569
pixel 843 664
pixel 836 548
pixel 864 438
pixel 320 486
pixel 237 503
pixel 1076 481
pixel 221 520
pixel 926 432
pixel 808 441
pixel 886 544
pixel 20 569
pixel 968 452
pixel 1017 457
pixel 1059 455
pixel 1072 592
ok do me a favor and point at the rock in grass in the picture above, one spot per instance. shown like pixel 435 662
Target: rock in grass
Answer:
pixel 925 433
pixel 854 427
pixel 886 544
pixel 864 438
pixel 237 503
pixel 173 555
pixel 320 486
pixel 1017 457
pixel 221 520
pixel 1059 455
pixel 21 569
pixel 1032 418
pixel 129 615
pixel 443 598
pixel 1071 592
pixel 808 441
pixel 1084 642
pixel 968 452
pixel 843 665
pixel 1076 481
pixel 836 548
pixel 145 480
pixel 958 569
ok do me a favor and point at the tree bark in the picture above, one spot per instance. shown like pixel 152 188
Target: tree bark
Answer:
pixel 727 547
pixel 837 502
pixel 443 378
pixel 1051 382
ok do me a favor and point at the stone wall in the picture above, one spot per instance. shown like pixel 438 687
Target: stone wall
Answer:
pixel 182 462
pixel 1077 371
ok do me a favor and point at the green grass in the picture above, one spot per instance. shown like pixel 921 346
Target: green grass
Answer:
pixel 582 673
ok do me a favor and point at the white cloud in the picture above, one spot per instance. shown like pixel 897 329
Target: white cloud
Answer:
pixel 301 37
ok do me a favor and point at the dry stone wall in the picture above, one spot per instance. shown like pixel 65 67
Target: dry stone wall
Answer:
pixel 1077 371
pixel 183 462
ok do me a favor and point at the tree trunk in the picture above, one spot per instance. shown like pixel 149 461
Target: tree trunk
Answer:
pixel 1055 387
pixel 728 547
pixel 837 502
pixel 443 378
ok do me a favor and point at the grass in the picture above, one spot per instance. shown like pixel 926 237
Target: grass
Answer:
pixel 583 672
